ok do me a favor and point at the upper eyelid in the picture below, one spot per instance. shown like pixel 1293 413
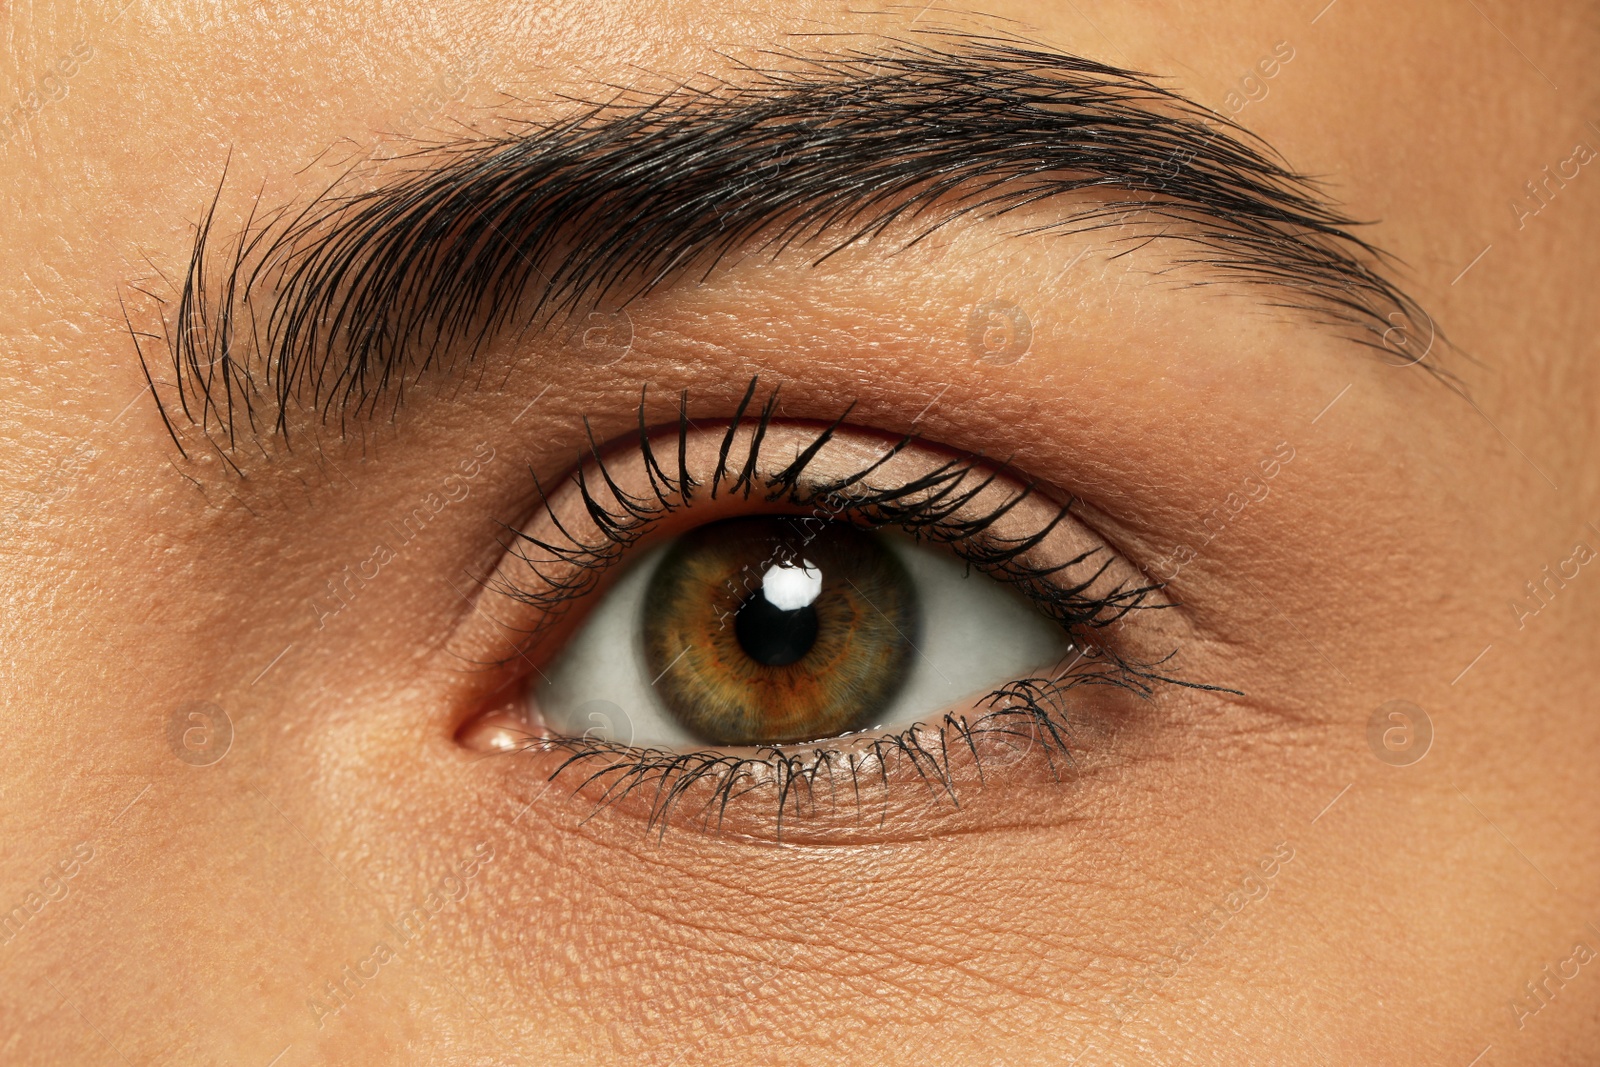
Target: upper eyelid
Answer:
pixel 567 549
pixel 722 456
pixel 631 194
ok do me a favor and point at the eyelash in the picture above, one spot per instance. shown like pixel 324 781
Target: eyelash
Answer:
pixel 926 509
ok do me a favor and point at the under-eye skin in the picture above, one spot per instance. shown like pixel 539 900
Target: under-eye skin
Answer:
pixel 804 615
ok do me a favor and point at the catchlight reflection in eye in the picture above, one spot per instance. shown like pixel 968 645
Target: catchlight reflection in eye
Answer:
pixel 742 653
pixel 773 630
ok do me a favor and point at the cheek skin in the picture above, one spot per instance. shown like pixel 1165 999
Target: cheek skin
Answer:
pixel 750 935
pixel 556 918
pixel 1377 567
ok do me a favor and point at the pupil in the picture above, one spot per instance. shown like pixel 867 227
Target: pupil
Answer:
pixel 772 636
pixel 814 650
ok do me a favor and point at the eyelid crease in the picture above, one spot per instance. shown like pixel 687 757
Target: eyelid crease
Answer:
pixel 614 498
pixel 838 472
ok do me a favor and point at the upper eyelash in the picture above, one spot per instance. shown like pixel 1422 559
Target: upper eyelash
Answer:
pixel 922 507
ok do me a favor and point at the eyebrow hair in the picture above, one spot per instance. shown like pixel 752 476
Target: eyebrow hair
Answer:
pixel 342 301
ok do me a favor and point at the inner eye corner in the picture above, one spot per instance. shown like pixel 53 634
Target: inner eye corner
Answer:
pixel 790 652
pixel 861 787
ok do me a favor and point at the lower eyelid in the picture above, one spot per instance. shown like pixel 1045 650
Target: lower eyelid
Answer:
pixel 879 786
pixel 563 559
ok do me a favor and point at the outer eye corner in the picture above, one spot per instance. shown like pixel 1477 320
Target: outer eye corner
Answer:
pixel 812 626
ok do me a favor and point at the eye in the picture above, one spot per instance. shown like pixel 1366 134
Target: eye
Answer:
pixel 709 614
pixel 769 630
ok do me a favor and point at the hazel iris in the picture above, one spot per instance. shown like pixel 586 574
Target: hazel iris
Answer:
pixel 762 631
pixel 777 624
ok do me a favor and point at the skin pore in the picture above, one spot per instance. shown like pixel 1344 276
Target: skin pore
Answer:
pixel 240 819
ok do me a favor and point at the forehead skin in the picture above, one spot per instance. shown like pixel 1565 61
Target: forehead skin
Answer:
pixel 174 913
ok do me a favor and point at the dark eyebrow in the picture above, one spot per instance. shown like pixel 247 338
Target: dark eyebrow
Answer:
pixel 341 302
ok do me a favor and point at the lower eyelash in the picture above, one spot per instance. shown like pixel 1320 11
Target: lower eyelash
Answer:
pixel 930 508
pixel 799 779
